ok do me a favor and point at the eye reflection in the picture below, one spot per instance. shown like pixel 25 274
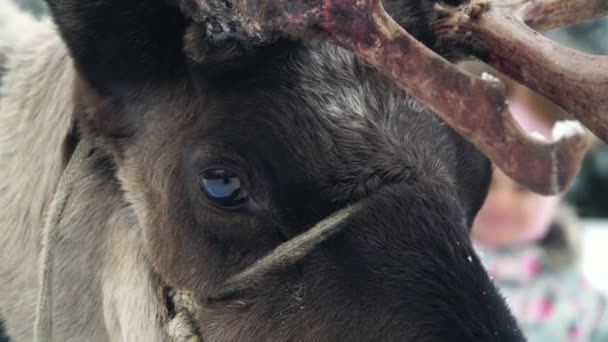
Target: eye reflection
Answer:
pixel 223 187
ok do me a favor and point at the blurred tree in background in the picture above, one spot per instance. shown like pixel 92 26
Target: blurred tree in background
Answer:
pixel 589 193
pixel 590 36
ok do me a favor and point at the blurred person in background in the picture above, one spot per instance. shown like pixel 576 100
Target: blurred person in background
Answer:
pixel 530 244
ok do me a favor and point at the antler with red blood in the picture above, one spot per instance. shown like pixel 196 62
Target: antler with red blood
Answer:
pixel 475 107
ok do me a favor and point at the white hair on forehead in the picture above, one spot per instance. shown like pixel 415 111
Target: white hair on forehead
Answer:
pixel 346 93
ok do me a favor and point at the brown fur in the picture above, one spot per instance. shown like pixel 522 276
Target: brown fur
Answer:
pixel 325 131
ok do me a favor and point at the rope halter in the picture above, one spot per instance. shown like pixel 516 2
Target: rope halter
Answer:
pixel 182 327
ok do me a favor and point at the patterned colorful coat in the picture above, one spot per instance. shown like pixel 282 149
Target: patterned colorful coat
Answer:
pixel 546 290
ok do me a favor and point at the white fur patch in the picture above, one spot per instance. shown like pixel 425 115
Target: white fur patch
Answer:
pixel 489 77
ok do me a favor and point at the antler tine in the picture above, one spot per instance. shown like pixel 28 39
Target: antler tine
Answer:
pixel 475 107
pixel 575 81
pixel 549 14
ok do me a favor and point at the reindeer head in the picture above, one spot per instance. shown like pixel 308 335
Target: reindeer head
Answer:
pixel 223 158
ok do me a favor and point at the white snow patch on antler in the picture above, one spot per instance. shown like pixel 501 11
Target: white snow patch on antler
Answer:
pixel 538 137
pixel 489 77
pixel 566 129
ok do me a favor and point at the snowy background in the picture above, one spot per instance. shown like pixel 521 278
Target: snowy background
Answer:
pixel 595 252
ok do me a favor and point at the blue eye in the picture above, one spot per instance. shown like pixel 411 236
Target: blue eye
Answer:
pixel 223 187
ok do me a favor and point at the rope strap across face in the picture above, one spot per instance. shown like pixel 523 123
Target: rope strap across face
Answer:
pixel 43 327
pixel 182 328
pixel 287 253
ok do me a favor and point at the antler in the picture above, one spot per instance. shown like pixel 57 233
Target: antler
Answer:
pixel 475 107
pixel 575 81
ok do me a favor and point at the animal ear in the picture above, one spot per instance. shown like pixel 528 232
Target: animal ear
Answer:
pixel 117 44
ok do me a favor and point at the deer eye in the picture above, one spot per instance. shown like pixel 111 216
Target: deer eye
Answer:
pixel 223 187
